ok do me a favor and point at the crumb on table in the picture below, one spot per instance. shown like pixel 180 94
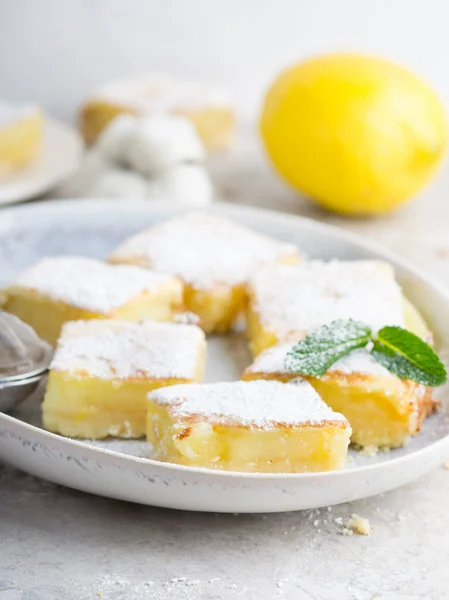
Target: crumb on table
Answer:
pixel 356 524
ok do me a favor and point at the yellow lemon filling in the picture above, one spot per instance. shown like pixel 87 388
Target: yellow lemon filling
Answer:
pixel 218 426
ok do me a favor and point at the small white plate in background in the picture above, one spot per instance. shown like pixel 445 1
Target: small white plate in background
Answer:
pixel 59 158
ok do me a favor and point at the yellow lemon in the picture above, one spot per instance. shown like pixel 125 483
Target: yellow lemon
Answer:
pixel 358 134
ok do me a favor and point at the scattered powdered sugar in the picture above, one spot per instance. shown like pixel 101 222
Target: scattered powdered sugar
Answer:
pixel 203 250
pixel 10 112
pixel 122 349
pixel 303 297
pixel 88 283
pixel 153 93
pixel 357 361
pixel 173 588
pixel 262 404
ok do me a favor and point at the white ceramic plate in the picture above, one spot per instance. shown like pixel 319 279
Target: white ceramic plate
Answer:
pixel 120 469
pixel 60 157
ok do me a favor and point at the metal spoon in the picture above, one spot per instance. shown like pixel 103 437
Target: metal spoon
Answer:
pixel 24 360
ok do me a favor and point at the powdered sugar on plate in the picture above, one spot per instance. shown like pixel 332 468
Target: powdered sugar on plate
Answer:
pixel 303 297
pixel 358 361
pixel 120 349
pixel 203 250
pixel 90 284
pixel 261 404
pixel 153 93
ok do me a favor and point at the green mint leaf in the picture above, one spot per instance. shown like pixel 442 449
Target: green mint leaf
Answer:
pixel 408 356
pixel 321 349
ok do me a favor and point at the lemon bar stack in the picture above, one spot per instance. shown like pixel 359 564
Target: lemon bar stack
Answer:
pixel 125 366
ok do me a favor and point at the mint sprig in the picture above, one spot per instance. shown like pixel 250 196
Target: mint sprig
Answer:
pixel 321 349
pixel 400 351
pixel 407 356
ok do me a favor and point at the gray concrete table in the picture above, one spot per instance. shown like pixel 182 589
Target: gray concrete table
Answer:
pixel 58 544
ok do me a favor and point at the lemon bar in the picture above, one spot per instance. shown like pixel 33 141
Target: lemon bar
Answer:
pixel 212 256
pixel 207 107
pixel 287 302
pixel 21 132
pixel 103 370
pixel 263 426
pixel 67 288
pixel 383 410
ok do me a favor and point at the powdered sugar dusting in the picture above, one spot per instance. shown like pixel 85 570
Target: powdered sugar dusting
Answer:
pixel 303 297
pixel 153 93
pixel 120 349
pixel 11 113
pixel 358 361
pixel 203 250
pixel 271 360
pixel 262 404
pixel 90 284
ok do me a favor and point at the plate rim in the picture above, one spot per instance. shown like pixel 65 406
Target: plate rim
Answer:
pixel 66 205
pixel 134 461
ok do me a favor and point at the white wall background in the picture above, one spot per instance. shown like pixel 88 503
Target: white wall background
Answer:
pixel 55 51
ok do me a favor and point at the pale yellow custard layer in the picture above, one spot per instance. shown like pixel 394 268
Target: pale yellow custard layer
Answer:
pixel 250 427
